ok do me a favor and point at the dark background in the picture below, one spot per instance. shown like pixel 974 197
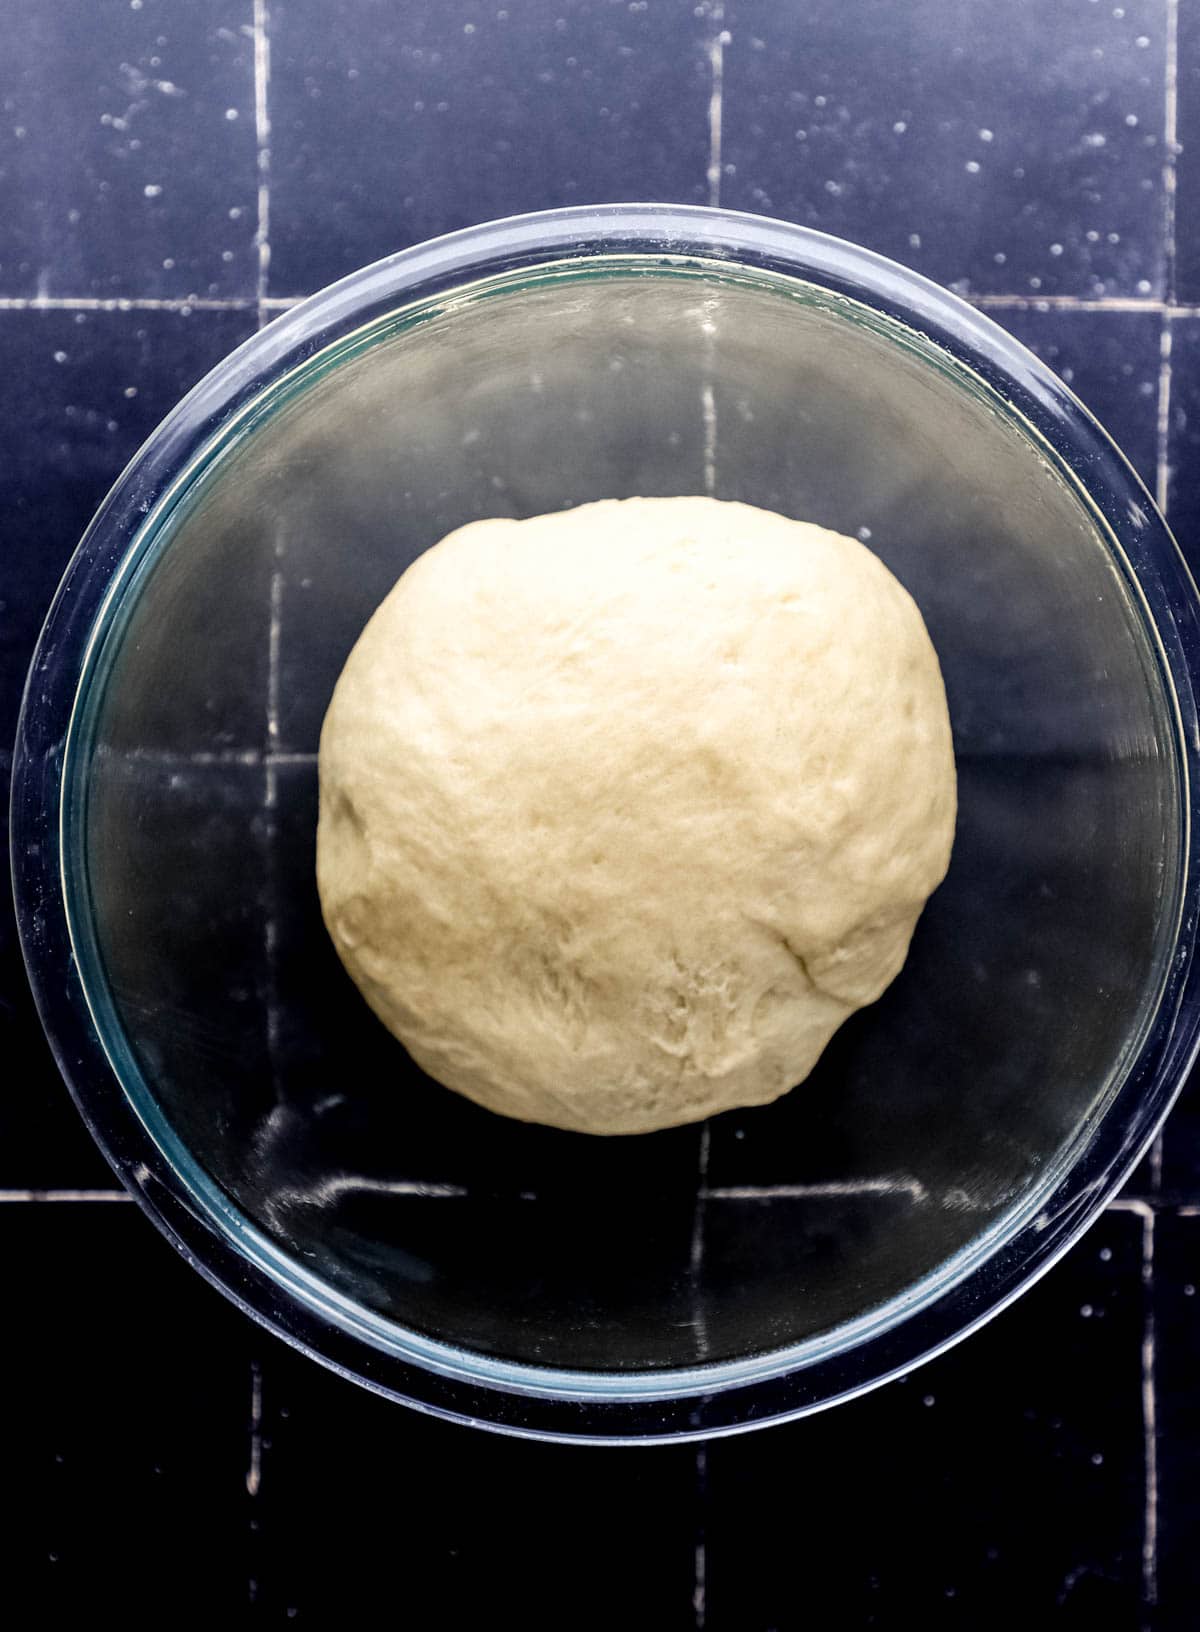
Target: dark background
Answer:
pixel 172 172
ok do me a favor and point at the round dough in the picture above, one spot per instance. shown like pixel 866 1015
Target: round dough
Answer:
pixel 624 810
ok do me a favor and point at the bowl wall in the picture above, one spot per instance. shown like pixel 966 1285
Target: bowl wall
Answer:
pixel 938 1120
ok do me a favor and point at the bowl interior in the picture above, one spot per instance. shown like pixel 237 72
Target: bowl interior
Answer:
pixel 937 1116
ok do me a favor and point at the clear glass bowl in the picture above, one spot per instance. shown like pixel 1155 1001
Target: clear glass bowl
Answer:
pixel 956 1137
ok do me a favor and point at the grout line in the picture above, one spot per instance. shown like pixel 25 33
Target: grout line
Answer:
pixel 1149 1421
pixel 708 409
pixel 1162 455
pixel 270 805
pixel 716 61
pixel 1131 1204
pixel 122 303
pixel 273 641
pixel 1145 1211
pixel 202 758
pixel 700 1323
pixel 283 303
pixel 1067 303
pixel 803 1192
pixel 700 1565
pixel 1170 143
pixel 64 1195
pixel 708 405
pixel 696 1254
pixel 254 1471
pixel 1162 466
pixel 262 137
pixel 1143 1208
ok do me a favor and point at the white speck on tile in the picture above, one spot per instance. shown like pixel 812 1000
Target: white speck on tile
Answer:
pixel 1131 120
pixel 60 356
pixel 1105 1255
pixel 1114 237
pixel 231 114
pixel 834 188
pixel 1000 257
pixel 152 189
pixel 1095 138
pixel 169 264
pixel 900 127
pixel 972 167
pixel 1143 286
pixel 1097 1459
pixel 986 135
pixel 914 240
pixel 130 391
pixel 929 1399
pixel 1086 1310
pixel 863 533
pixel 1142 41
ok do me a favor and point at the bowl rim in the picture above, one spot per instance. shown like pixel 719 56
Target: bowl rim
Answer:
pixel 549 1403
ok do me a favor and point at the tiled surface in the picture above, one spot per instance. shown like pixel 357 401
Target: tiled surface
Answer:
pixel 1111 361
pixel 1012 148
pixel 455 1528
pixel 448 108
pixel 79 390
pixel 1187 203
pixel 922 1501
pixel 1020 153
pixel 105 109
pixel 127 1427
pixel 1177 1344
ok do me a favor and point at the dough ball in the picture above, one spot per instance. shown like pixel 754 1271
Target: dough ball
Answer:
pixel 625 809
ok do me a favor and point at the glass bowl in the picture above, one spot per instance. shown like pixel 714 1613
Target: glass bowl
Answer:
pixel 956 1137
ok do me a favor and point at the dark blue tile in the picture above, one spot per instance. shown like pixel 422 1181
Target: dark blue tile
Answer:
pixel 1177 1364
pixel 1187 197
pixel 1110 360
pixel 1002 1481
pixel 130 1442
pixel 1181 1146
pixel 183 953
pixel 390 125
pixel 129 161
pixel 1183 496
pixel 78 392
pixel 1181 1136
pixel 995 148
pixel 43 1141
pixel 487 1528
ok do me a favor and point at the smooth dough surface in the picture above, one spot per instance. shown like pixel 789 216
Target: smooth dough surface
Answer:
pixel 625 809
